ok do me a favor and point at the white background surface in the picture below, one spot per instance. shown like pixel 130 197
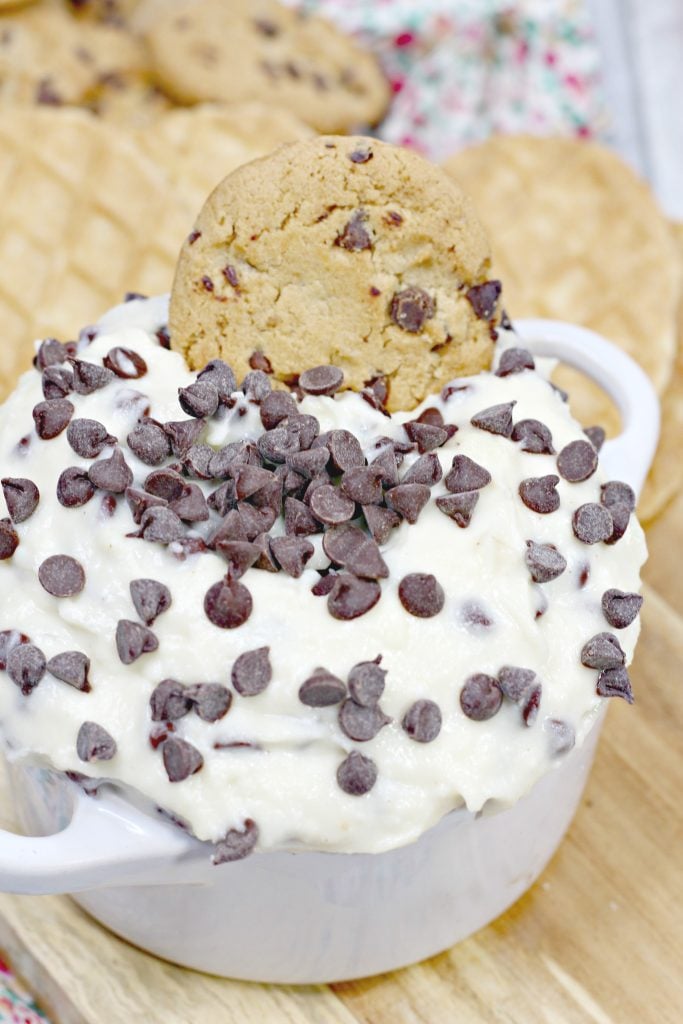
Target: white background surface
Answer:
pixel 642 47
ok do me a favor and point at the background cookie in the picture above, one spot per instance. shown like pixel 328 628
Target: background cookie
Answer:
pixel 198 146
pixel 577 236
pixel 339 250
pixel 212 50
pixel 85 217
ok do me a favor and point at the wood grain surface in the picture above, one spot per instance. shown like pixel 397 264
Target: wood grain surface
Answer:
pixel 599 938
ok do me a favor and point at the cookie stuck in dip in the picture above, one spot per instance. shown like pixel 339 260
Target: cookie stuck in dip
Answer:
pixel 279 614
pixel 348 252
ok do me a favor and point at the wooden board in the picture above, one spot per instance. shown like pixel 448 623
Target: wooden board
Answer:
pixel 598 939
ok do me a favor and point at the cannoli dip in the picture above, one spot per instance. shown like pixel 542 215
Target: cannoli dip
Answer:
pixel 289 619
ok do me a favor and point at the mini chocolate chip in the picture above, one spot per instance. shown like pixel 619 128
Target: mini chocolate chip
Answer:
pixel 307 427
pixel 345 450
pixel 577 461
pixel 475 617
pixel 181 759
pixel 276 444
pixel 325 584
pixel 9 639
pixel 50 353
pixel 425 470
pixel 71 667
pixel 259 361
pixel 360 155
pixel 134 640
pixel 125 363
pixel 483 298
pixel 9 539
pixel 621 516
pixel 277 406
pixel 52 417
pixel 614 492
pixel 232 527
pixel 596 436
pixel 366 682
pixel 516 682
pixel 321 380
pixel 256 386
pixel 256 520
pixel 408 499
pixel 459 507
pixel 481 697
pixel 198 460
pixel 309 463
pixel 150 599
pixel 351 597
pixel 538 493
pixel 534 436
pixel 356 775
pixel 223 499
pixel 21 497
pixel 515 360
pixel 74 488
pixel 341 542
pixel 94 743
pixel 299 520
pixel 57 382
pixel 248 479
pixel 183 434
pixel 355 236
pixel 199 399
pixel 361 723
pixel 496 419
pixel 218 373
pixel 387 462
pixel 88 377
pixel 228 604
pixel 150 442
pixel 237 844
pixel 239 554
pixel 292 553
pixel 410 309
pixel 139 501
pixel 191 506
pixel 26 666
pixel 113 474
pixel 544 562
pixel 531 705
pixel 330 506
pixel 366 561
pixel 602 651
pixel 466 475
pixel 88 438
pixel 422 721
pixel 252 672
pixel 160 525
pixel 426 436
pixel 376 391
pixel 421 594
pixel 381 521
pixel 561 736
pixel 166 484
pixel 211 700
pixel 322 689
pixel 592 523
pixel 614 682
pixel 620 608
pixel 61 576
pixel 169 701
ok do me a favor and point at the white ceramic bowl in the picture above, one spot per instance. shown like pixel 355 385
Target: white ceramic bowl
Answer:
pixel 309 917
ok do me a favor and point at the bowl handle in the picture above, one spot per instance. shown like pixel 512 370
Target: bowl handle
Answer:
pixel 627 457
pixel 106 842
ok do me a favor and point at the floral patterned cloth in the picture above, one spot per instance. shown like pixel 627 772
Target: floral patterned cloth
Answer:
pixel 460 71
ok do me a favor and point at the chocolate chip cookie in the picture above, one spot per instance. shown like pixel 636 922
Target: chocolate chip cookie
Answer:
pixel 345 251
pixel 240 51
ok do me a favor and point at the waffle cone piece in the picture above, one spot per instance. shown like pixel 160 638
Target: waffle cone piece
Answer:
pixel 85 218
pixel 577 236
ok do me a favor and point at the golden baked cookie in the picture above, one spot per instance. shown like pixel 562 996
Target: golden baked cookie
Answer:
pixel 48 58
pixel 129 99
pixel 109 12
pixel 577 236
pixel 6 5
pixel 340 250
pixel 85 217
pixel 198 146
pixel 259 49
